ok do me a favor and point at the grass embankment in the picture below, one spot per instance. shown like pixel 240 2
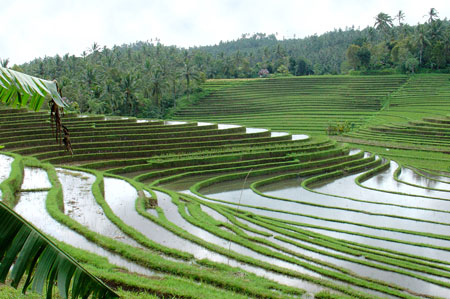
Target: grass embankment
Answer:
pixel 295 105
pixel 407 115
pixel 414 127
pixel 221 280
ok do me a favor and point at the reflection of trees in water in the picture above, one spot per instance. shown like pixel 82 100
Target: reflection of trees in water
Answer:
pixel 424 179
pixel 434 178
pixel 430 183
pixel 380 179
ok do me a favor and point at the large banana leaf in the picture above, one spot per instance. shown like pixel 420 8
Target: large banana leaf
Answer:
pixel 26 252
pixel 20 89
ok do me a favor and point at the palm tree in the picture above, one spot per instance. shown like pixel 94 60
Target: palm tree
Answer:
pixel 383 22
pixel 432 15
pixel 436 31
pixel 371 33
pixel 129 85
pixel 189 73
pixel 157 84
pixel 95 48
pixel 400 17
pixel 23 249
pixel 421 40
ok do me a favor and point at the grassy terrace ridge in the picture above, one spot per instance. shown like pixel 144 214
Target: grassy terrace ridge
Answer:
pixel 408 114
pixel 201 210
pixel 415 117
pixel 306 104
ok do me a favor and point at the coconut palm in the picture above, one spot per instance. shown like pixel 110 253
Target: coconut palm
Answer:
pixel 24 251
pixel 421 40
pixel 384 23
pixel 189 73
pixel 432 15
pixel 157 85
pixel 400 17
pixel 129 86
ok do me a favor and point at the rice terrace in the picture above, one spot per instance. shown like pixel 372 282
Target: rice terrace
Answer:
pixel 280 186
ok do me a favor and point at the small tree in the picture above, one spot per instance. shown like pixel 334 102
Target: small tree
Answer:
pixel 411 64
pixel 352 56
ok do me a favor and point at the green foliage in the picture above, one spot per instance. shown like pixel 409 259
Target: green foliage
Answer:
pixel 411 64
pixel 18 89
pixel 295 104
pixel 28 251
pixel 340 128
pixel 403 47
pixel 147 79
pixel 11 185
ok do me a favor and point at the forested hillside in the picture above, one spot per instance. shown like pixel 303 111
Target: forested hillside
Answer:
pixel 147 78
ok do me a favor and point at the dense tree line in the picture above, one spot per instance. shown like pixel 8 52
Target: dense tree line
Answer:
pixel 402 48
pixel 146 79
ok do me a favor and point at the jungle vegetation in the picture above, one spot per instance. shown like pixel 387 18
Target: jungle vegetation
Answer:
pixel 147 78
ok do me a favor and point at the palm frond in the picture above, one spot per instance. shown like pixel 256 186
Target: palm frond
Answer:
pixel 26 251
pixel 20 89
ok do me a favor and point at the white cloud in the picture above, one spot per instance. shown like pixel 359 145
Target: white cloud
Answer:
pixel 33 29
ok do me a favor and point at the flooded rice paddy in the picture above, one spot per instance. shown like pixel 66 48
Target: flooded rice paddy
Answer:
pixel 5 166
pixel 393 228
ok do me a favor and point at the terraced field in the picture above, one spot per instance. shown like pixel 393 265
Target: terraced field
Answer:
pixel 295 105
pixel 416 114
pixel 206 210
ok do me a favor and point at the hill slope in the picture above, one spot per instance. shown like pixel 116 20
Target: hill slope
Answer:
pixel 377 108
pixel 204 210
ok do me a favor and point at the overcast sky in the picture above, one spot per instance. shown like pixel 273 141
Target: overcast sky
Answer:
pixel 38 28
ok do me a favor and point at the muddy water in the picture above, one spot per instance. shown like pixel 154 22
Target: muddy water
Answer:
pixel 385 181
pixel 302 251
pixel 254 130
pixel 199 124
pixel 409 176
pixel 224 126
pixel 171 212
pixel 248 197
pixel 80 205
pixel 185 182
pixel 35 178
pixel 5 167
pixel 152 212
pixel 443 255
pixel 31 206
pixel 291 189
pixel 214 214
pixel 432 253
pixel 278 134
pixel 413 284
pixel 299 137
pixel 406 281
pixel 434 176
pixel 346 187
pixel 121 198
pixel 171 123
